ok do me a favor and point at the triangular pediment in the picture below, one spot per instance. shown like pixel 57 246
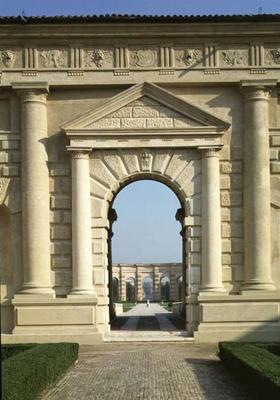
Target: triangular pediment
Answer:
pixel 144 106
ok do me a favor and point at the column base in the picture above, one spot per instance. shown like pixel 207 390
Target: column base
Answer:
pixel 212 290
pixel 37 291
pixel 257 285
pixel 81 292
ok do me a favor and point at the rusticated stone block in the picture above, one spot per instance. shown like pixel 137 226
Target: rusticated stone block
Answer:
pixel 61 262
pixel 275 167
pixel 159 123
pixel 227 274
pixel 3 157
pixel 124 112
pixel 106 123
pixel 234 167
pixel 9 171
pixel 231 199
pixel 226 259
pixel 274 154
pixel 60 170
pixel 225 214
pixel 61 232
pixel 195 259
pixel 67 217
pixel 225 153
pixel 9 144
pixel 145 111
pixel 15 157
pixel 237 245
pixel 226 246
pixel 237 214
pixel 195 245
pixel 275 141
pixel 134 123
pixel 55 217
pixel 236 181
pixel 60 202
pixel 224 182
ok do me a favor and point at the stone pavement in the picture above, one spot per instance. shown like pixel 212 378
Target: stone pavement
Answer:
pixel 154 310
pixel 131 331
pixel 151 371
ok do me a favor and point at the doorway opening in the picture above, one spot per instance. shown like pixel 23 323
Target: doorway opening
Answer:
pixel 147 264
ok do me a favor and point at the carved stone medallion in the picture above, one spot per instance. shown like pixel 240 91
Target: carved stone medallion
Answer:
pixel 234 57
pixel 272 56
pixel 53 58
pixel 188 57
pixel 99 58
pixel 8 58
pixel 145 159
pixel 144 58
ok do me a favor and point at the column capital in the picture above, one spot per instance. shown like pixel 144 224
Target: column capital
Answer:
pixel 207 152
pixel 257 89
pixel 79 152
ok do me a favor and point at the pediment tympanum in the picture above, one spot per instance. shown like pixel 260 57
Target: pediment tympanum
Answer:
pixel 144 110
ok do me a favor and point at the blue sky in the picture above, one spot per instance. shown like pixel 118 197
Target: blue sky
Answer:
pixel 54 7
pixel 146 230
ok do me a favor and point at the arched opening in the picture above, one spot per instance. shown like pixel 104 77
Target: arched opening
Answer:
pixel 148 289
pixel 146 246
pixel 115 290
pixel 165 288
pixel 130 290
pixel 179 288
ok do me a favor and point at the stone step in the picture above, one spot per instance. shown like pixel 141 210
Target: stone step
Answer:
pixel 148 336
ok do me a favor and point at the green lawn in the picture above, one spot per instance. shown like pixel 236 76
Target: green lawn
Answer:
pixel 127 306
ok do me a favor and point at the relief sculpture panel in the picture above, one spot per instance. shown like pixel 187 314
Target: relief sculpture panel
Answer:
pixel 99 58
pixel 53 58
pixel 188 57
pixel 144 58
pixel 237 57
pixel 272 56
pixel 11 58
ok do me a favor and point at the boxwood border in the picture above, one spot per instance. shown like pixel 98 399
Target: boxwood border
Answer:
pixel 28 373
pixel 255 364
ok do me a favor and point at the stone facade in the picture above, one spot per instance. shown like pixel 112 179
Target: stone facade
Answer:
pixel 85 109
pixel 156 273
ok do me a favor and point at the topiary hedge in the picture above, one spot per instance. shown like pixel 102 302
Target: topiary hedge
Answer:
pixel 26 374
pixel 255 365
pixel 9 350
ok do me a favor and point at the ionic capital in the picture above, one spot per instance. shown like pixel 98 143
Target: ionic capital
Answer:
pixel 79 152
pixel 257 89
pixel 32 91
pixel 207 152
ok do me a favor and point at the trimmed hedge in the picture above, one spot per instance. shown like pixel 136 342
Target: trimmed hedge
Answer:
pixel 26 374
pixel 255 365
pixel 9 350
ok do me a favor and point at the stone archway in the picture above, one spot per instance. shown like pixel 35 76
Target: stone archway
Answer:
pixel 144 132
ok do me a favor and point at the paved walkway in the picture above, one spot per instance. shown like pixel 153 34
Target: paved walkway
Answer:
pixel 167 371
pixel 140 317
pixel 154 310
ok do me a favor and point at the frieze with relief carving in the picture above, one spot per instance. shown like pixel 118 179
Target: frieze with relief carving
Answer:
pixel 188 57
pixel 11 58
pixel 272 56
pixel 8 58
pixel 99 58
pixel 233 58
pixel 143 58
pixel 56 58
